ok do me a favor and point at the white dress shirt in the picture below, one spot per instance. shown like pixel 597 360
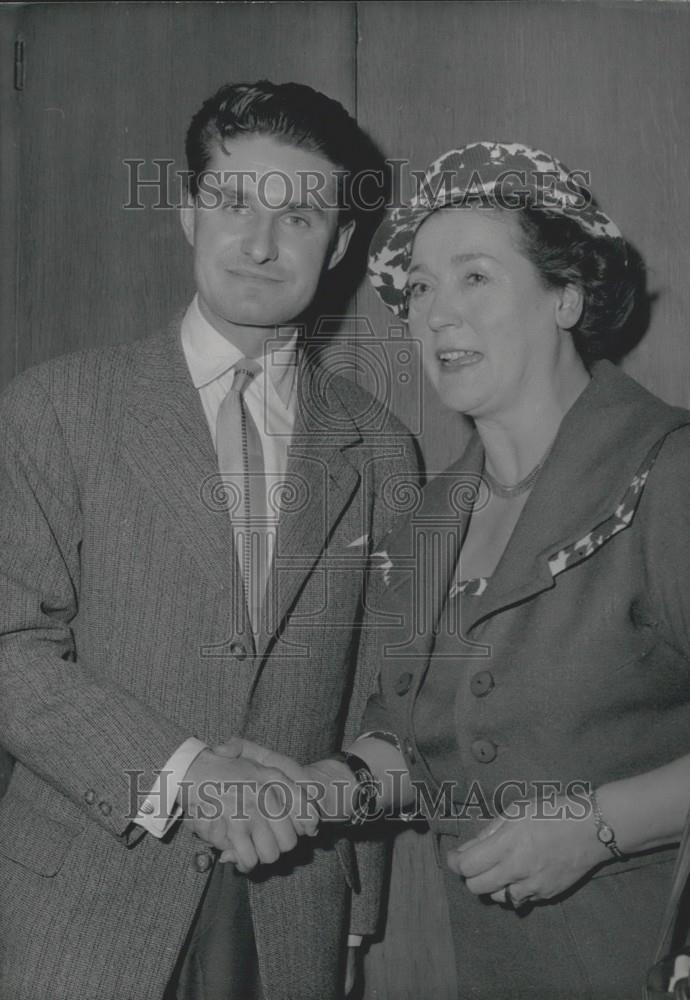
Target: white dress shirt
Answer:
pixel 270 396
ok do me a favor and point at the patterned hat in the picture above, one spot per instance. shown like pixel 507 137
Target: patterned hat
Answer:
pixel 496 174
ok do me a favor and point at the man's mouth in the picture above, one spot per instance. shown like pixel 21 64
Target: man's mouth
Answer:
pixel 450 359
pixel 242 272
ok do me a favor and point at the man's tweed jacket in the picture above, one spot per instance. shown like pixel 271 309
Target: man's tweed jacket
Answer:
pixel 123 632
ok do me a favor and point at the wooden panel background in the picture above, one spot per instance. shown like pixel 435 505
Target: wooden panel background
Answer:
pixel 106 83
pixel 603 86
pixel 8 219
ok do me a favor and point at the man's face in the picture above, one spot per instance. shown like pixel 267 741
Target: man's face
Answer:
pixel 261 241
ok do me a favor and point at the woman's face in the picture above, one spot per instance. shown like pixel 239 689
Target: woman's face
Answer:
pixel 487 324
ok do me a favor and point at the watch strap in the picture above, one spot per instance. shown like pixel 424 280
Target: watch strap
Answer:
pixel 366 791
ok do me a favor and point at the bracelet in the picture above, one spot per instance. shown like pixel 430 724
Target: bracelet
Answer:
pixel 605 834
pixel 366 792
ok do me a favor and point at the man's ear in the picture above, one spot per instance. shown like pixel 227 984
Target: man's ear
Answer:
pixel 341 243
pixel 569 306
pixel 187 218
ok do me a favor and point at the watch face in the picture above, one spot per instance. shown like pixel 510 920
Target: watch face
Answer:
pixel 605 834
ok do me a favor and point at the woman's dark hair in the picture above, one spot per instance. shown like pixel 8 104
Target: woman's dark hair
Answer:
pixel 300 116
pixel 609 272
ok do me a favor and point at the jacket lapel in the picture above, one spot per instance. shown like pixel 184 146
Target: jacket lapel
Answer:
pixel 602 441
pixel 167 443
pixel 419 559
pixel 323 474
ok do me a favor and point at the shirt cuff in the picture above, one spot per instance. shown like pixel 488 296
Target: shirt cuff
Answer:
pixel 354 940
pixel 161 808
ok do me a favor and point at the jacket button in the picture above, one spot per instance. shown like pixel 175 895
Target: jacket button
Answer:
pixel 409 751
pixel 403 682
pixel 202 861
pixel 147 808
pixel 238 651
pixel 90 797
pixel 484 751
pixel 481 683
pixel 105 808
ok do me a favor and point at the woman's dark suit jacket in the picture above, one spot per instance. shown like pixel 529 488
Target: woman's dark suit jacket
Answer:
pixel 574 663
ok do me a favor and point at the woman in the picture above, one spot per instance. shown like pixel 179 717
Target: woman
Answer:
pixel 536 707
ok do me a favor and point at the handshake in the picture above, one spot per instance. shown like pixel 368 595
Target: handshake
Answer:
pixel 252 804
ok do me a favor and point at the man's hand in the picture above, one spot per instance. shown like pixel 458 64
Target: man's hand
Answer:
pixel 316 782
pixel 535 858
pixel 325 786
pixel 250 812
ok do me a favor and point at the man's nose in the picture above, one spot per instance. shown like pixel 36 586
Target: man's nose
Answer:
pixel 259 240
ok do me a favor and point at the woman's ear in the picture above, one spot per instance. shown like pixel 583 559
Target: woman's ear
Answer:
pixel 569 306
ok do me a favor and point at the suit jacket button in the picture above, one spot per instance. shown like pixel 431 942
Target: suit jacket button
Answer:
pixel 238 651
pixel 90 797
pixel 409 751
pixel 403 682
pixel 484 751
pixel 481 683
pixel 105 808
pixel 202 861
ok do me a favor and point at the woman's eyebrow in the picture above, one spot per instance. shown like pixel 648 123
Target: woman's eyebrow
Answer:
pixel 463 258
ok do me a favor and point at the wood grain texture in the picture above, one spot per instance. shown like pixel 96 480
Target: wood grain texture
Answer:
pixel 9 99
pixel 110 82
pixel 9 28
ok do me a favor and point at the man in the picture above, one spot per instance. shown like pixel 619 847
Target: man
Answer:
pixel 142 625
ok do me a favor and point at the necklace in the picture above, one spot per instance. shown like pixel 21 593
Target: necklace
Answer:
pixel 508 492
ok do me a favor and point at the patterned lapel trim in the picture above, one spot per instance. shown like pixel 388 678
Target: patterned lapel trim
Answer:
pixel 586 546
pixel 621 519
pixel 473 587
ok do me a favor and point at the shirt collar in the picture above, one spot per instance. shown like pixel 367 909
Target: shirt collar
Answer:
pixel 210 355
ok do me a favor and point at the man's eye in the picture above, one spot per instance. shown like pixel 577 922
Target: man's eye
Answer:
pixel 235 205
pixel 295 220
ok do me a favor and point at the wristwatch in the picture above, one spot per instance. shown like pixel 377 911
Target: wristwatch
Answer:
pixel 605 834
pixel 365 796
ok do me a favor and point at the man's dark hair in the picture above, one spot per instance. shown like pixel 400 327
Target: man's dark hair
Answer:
pixel 299 116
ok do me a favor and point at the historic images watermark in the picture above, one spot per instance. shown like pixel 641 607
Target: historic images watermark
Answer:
pixel 277 799
pixel 158 184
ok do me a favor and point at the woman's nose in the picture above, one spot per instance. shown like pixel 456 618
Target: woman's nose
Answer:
pixel 259 241
pixel 444 310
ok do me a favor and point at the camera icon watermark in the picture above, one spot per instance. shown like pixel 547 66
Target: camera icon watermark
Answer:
pixel 348 347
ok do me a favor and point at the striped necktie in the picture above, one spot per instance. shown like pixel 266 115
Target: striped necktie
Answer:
pixel 241 464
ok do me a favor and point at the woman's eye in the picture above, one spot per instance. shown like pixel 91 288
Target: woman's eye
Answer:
pixel 416 289
pixel 476 278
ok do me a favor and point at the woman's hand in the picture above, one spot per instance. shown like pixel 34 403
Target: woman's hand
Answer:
pixel 534 858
